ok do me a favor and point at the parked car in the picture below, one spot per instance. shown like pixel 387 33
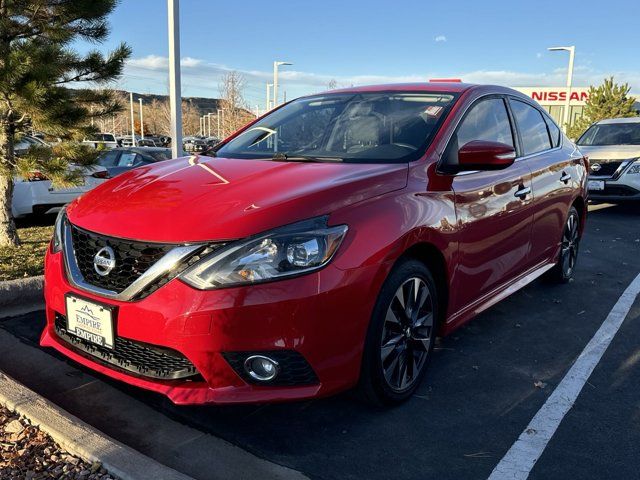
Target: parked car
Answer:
pixel 35 194
pixel 120 160
pixel 194 144
pixel 325 246
pixel 102 140
pixel 27 141
pixel 613 148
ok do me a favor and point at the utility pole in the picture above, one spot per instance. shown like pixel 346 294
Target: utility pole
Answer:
pixel 133 123
pixel 175 94
pixel 141 120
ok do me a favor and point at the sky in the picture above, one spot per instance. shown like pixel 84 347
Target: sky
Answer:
pixel 357 42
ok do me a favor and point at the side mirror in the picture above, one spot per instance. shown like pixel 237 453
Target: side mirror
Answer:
pixel 484 155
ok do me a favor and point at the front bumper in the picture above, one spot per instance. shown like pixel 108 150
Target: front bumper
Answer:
pixel 619 188
pixel 322 317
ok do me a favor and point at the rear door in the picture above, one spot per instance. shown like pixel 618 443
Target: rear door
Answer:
pixel 493 207
pixel 553 177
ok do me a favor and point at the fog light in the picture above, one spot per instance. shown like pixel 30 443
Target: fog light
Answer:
pixel 261 368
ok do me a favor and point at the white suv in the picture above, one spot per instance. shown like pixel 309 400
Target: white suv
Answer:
pixel 613 148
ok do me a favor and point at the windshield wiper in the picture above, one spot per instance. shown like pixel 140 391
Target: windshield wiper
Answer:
pixel 283 157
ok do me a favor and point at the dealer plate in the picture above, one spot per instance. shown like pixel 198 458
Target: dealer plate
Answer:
pixel 596 185
pixel 90 321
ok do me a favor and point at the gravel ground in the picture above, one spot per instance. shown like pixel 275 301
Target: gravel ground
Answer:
pixel 27 453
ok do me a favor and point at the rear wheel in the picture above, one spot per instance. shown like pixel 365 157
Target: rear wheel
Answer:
pixel 401 334
pixel 563 271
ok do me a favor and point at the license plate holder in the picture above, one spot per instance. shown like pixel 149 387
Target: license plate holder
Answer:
pixel 91 321
pixel 595 185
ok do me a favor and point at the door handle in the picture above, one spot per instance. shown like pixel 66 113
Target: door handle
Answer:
pixel 565 178
pixel 522 192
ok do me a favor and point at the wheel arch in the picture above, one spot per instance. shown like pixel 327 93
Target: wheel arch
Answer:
pixel 580 205
pixel 434 259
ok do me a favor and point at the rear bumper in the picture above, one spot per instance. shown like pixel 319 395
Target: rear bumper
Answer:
pixel 314 315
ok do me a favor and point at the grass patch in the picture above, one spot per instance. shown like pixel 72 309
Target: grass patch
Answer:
pixel 26 260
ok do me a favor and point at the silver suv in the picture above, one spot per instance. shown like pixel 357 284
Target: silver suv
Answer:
pixel 613 148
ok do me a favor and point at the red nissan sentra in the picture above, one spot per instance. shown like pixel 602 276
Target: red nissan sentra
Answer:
pixel 325 246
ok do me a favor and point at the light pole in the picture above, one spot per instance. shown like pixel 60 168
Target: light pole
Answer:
pixel 218 119
pixel 275 81
pixel 141 121
pixel 269 87
pixel 175 94
pixel 209 124
pixel 133 123
pixel 567 103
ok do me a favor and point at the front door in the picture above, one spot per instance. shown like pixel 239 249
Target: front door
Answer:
pixel 493 208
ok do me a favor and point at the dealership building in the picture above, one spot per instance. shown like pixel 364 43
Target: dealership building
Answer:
pixel 553 99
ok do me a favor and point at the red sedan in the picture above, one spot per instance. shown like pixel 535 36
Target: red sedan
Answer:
pixel 325 246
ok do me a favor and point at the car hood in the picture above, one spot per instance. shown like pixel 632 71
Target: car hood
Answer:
pixel 196 199
pixel 610 152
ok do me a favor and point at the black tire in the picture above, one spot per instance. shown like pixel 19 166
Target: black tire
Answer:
pixel 564 269
pixel 411 337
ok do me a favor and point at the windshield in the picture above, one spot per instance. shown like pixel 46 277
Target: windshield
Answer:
pixel 364 127
pixel 611 134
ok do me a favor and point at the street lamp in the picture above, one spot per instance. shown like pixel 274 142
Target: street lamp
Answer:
pixel 275 81
pixel 269 87
pixel 133 123
pixel 141 120
pixel 565 114
pixel 175 95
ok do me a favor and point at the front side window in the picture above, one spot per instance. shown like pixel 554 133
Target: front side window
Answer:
pixel 487 120
pixel 611 134
pixel 532 127
pixel 380 127
pixel 109 158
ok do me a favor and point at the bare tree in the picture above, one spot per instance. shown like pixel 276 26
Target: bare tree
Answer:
pixel 235 113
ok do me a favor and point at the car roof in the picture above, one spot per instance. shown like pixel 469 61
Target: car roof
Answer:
pixel 452 87
pixel 144 149
pixel 608 121
pixel 431 87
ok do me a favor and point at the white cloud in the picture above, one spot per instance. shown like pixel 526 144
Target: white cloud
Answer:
pixel 201 78
pixel 440 38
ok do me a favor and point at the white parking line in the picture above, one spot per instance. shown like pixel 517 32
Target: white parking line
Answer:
pixel 525 452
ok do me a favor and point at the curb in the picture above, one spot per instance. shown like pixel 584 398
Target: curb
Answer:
pixel 80 439
pixel 23 291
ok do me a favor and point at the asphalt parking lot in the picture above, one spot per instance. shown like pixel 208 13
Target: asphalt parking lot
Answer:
pixel 485 383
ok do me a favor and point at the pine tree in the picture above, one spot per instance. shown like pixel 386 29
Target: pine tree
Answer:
pixel 37 67
pixel 609 100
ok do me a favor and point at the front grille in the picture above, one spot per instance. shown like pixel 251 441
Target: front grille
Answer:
pixel 616 190
pixel 607 169
pixel 135 357
pixel 132 258
pixel 294 369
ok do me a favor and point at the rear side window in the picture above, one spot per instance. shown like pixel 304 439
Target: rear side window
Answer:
pixel 554 132
pixel 532 127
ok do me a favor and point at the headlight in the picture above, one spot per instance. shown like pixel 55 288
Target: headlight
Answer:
pixel 634 168
pixel 299 248
pixel 57 231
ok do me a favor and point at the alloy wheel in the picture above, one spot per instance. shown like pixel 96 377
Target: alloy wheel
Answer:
pixel 407 334
pixel 569 248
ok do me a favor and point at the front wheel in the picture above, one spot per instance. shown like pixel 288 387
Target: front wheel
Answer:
pixel 401 335
pixel 563 271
